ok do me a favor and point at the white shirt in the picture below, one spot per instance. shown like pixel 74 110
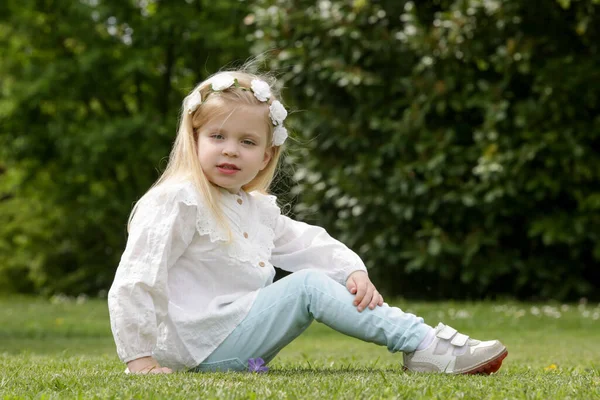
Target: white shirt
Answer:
pixel 183 284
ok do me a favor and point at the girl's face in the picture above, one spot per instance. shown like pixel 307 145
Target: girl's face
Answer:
pixel 233 148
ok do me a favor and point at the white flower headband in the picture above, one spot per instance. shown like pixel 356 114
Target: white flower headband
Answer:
pixel 261 90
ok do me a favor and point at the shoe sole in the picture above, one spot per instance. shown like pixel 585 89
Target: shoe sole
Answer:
pixel 487 368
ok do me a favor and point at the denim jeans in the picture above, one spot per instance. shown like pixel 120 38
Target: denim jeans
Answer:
pixel 284 309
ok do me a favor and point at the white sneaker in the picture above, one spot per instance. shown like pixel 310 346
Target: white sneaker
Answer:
pixel 454 353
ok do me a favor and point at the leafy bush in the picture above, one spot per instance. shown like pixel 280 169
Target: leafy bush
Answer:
pixel 90 99
pixel 452 144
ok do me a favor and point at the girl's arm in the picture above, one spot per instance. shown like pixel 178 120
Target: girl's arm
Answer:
pixel 299 245
pixel 160 231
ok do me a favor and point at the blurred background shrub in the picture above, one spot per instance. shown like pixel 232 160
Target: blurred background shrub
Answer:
pixel 452 144
pixel 91 92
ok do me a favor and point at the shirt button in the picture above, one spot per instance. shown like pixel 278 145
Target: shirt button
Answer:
pixel 262 264
pixel 245 235
pixel 239 201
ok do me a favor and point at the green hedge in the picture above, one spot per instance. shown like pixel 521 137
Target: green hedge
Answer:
pixel 452 144
pixel 91 93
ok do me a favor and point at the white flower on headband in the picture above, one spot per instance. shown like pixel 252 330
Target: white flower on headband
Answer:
pixel 222 82
pixel 194 101
pixel 279 135
pixel 261 89
pixel 277 112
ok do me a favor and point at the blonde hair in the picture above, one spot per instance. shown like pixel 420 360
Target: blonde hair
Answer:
pixel 183 161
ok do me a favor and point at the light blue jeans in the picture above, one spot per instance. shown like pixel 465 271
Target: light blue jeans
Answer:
pixel 284 309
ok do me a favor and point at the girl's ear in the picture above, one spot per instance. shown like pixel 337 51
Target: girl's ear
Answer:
pixel 267 157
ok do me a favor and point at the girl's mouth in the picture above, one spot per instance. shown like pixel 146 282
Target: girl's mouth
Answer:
pixel 227 168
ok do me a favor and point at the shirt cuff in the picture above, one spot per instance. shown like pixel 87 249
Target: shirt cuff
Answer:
pixel 135 357
pixel 351 271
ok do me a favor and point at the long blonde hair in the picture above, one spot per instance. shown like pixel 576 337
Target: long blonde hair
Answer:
pixel 183 160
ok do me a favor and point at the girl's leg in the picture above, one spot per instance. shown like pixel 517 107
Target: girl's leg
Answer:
pixel 283 310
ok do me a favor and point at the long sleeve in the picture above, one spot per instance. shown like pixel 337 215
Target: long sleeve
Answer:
pixel 161 229
pixel 299 246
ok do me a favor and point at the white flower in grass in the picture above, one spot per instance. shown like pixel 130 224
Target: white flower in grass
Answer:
pixel 279 135
pixel 222 82
pixel 277 112
pixel 193 101
pixel 261 89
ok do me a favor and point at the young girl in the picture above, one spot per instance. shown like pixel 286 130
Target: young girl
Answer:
pixel 194 289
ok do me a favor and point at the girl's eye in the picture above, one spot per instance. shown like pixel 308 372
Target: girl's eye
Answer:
pixel 249 142
pixel 216 136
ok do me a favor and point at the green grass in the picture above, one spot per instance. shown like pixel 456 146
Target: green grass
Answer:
pixel 64 349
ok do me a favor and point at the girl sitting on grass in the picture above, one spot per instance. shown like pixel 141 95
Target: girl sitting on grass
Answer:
pixel 194 288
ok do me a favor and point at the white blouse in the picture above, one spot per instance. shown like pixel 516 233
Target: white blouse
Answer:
pixel 184 282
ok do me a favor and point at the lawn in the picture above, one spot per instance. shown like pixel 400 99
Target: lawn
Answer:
pixel 62 348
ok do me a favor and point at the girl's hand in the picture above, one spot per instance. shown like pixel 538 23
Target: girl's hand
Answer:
pixel 366 294
pixel 147 365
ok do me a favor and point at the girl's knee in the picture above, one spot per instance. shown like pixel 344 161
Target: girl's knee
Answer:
pixel 305 279
pixel 311 277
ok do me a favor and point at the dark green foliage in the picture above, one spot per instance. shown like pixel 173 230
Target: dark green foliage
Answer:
pixel 452 143
pixel 91 92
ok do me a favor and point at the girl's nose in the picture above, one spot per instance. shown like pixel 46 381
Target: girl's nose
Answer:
pixel 230 150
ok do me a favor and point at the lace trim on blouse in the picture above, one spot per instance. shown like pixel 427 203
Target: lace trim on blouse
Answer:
pixel 264 210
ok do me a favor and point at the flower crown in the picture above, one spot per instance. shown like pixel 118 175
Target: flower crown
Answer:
pixel 260 89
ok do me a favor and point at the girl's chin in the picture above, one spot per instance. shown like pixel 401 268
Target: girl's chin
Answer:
pixel 232 190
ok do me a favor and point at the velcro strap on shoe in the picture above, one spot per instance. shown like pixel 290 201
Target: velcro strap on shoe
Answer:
pixel 459 339
pixel 446 332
